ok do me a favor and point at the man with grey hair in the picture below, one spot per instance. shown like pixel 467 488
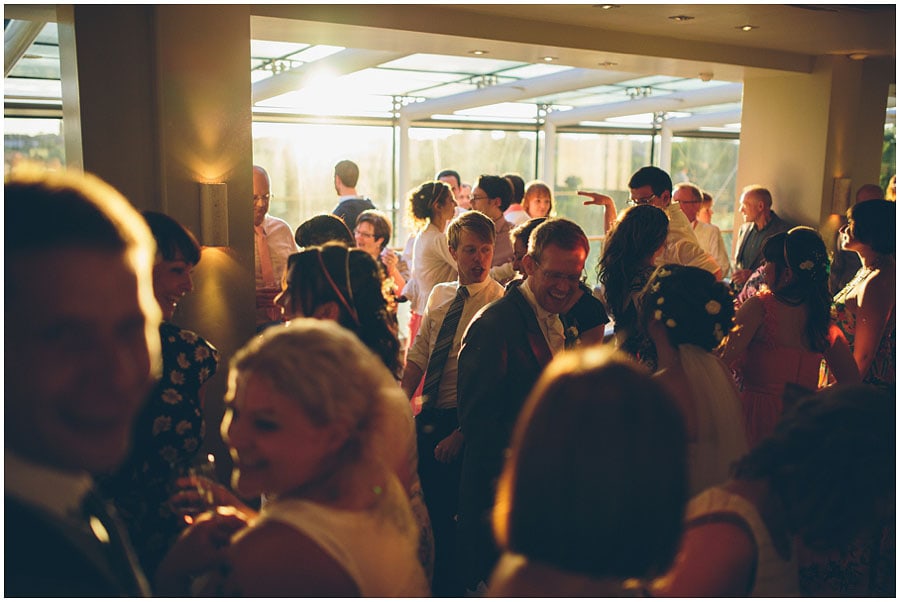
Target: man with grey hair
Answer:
pixel 690 199
pixel 760 222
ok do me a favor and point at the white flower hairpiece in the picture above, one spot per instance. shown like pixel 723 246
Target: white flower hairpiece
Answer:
pixel 713 307
pixel 718 333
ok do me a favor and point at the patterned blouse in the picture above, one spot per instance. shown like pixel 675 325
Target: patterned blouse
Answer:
pixel 883 370
pixel 167 434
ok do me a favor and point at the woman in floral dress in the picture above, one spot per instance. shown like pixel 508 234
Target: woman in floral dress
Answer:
pixel 170 428
pixel 864 309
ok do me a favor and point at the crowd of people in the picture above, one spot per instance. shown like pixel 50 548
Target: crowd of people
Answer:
pixel 696 424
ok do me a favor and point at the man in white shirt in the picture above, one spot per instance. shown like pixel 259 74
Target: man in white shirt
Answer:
pixel 503 352
pixel 273 244
pixel 690 199
pixel 470 238
pixel 651 185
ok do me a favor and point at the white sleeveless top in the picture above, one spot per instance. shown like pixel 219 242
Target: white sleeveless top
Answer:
pixel 378 548
pixel 775 577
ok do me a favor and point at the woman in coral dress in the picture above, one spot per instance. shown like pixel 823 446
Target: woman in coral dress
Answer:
pixel 783 334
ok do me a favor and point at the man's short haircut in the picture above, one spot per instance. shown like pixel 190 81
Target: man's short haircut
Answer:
pixel 75 211
pixel 172 238
pixel 496 188
pixel 695 191
pixel 707 200
pixel 867 192
pixel 348 172
pixel 658 180
pixel 560 232
pixel 320 229
pixel 518 186
pixel 523 231
pixel 449 172
pixel 759 193
pixel 475 222
pixel 381 225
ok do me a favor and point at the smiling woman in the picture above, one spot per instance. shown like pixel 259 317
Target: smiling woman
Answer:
pixel 170 427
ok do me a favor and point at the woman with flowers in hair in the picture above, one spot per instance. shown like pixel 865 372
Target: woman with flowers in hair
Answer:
pixel 782 334
pixel 687 313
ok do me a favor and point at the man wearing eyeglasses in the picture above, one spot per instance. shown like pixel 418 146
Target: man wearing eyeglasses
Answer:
pixel 690 199
pixel 503 352
pixel 651 185
pixel 273 243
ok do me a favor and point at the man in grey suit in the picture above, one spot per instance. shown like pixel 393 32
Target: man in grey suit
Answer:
pixel 505 348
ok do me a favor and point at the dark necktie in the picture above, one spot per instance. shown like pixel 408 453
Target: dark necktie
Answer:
pixel 114 544
pixel 442 348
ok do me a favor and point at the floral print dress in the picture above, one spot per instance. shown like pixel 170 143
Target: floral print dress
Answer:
pixel 883 371
pixel 167 435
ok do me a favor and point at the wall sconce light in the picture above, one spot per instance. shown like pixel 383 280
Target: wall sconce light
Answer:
pixel 214 214
pixel 840 196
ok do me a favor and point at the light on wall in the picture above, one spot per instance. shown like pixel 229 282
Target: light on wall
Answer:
pixel 214 214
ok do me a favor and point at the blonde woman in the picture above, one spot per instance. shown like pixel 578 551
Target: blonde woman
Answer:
pixel 315 442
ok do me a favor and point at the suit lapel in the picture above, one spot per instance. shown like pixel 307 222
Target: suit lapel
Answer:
pixel 533 333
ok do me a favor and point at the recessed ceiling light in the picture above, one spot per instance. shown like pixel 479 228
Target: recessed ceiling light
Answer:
pixel 858 56
pixel 607 64
pixel 747 27
pixel 478 52
pixel 606 6
pixel 681 18
pixel 549 59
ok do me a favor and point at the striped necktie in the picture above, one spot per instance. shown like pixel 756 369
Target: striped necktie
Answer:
pixel 442 347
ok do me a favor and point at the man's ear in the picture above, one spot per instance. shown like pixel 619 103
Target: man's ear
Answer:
pixel 453 253
pixel 529 264
pixel 327 311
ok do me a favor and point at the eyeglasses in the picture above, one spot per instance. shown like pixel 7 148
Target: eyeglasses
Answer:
pixel 692 202
pixel 262 197
pixel 478 198
pixel 644 201
pixel 559 276
pixel 363 234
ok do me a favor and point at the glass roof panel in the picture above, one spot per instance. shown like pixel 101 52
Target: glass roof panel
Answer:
pixel 536 70
pixel 17 87
pixel 49 35
pixel 272 50
pixel 451 64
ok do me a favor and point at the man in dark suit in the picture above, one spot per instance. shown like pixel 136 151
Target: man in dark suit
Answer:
pixel 82 352
pixel 760 222
pixel 504 350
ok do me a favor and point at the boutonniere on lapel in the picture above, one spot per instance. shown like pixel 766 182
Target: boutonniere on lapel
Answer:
pixel 571 333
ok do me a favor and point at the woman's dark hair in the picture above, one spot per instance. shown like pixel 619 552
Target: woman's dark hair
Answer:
pixel 321 229
pixel 875 224
pixel 172 238
pixel 773 252
pixel 832 463
pixel 695 308
pixel 631 243
pixel 807 258
pixel 352 280
pixel 423 199
pixel 597 479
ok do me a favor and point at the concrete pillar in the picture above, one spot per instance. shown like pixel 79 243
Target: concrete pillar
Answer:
pixel 157 101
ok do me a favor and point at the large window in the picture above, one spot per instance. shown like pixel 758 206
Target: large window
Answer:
pixel 36 140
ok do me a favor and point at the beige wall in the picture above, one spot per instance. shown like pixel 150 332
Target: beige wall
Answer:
pixel 158 101
pixel 799 132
